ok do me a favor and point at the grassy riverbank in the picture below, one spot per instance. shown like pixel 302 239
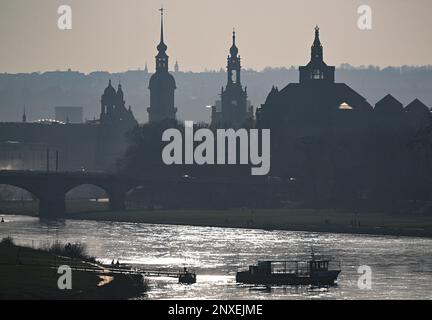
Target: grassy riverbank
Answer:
pixel 281 219
pixel 27 273
pixel 374 223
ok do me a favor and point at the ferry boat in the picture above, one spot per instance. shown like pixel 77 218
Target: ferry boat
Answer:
pixel 187 277
pixel 313 272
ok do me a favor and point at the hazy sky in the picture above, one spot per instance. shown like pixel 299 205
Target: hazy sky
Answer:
pixel 118 35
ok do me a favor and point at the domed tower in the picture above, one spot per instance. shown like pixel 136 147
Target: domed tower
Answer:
pixel 108 102
pixel 113 108
pixel 162 85
pixel 120 95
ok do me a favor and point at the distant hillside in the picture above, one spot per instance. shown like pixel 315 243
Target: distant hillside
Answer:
pixel 41 92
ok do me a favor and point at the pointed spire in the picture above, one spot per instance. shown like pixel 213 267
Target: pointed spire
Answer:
pixel 162 11
pixel 317 41
pixel 162 47
pixel 317 48
pixel 162 30
pixel 24 116
pixel 162 57
pixel 120 93
pixel 234 49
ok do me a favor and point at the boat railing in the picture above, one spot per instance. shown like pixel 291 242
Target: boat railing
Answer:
pixel 297 267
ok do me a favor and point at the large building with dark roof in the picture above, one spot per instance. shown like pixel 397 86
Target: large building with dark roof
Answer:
pixel 316 97
pixel 334 146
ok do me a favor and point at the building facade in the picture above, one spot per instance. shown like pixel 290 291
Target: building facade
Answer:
pixel 335 147
pixel 93 146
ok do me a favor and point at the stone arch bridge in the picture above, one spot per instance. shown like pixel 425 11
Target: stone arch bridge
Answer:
pixel 51 188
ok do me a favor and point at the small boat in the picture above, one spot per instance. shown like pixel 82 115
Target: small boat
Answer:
pixel 187 277
pixel 313 272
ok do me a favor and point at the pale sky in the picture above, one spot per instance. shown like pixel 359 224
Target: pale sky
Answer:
pixel 120 35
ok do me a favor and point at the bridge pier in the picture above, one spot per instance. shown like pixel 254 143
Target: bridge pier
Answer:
pixel 52 206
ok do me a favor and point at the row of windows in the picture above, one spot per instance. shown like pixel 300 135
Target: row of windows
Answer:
pixel 317 74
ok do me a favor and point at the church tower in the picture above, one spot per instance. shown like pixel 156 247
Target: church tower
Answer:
pixel 317 71
pixel 162 85
pixel 234 109
pixel 234 64
pixel 113 107
pixel 108 102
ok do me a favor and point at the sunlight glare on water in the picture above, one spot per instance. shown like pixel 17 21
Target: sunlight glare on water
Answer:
pixel 402 267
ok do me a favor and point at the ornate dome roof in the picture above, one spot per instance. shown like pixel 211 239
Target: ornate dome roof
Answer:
pixel 109 91
pixel 234 50
pixel 162 47
pixel 162 79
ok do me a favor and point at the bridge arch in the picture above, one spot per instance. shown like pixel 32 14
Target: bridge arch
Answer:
pixel 115 193
pixel 18 198
pixel 51 188
pixel 86 197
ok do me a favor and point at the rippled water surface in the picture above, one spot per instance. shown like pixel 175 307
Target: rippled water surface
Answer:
pixel 401 267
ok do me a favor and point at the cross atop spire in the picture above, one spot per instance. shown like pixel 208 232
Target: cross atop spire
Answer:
pixel 162 57
pixel 317 41
pixel 162 10
pixel 317 48
pixel 162 46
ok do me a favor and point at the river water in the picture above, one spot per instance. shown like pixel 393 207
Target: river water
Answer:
pixel 401 267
